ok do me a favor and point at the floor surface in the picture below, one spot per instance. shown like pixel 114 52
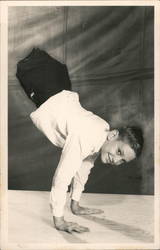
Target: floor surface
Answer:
pixel 126 219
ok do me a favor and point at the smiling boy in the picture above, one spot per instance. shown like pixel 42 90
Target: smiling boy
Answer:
pixel 82 136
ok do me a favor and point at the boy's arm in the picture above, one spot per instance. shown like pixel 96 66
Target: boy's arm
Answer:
pixel 70 162
pixel 78 185
pixel 80 179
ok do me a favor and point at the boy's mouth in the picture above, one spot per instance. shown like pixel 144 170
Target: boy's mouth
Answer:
pixel 108 158
pixel 110 161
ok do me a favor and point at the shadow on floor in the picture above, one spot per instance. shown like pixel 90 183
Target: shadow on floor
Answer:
pixel 129 231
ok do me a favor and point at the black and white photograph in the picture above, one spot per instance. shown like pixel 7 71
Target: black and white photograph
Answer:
pixel 80 126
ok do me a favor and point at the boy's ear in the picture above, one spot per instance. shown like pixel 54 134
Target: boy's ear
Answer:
pixel 113 135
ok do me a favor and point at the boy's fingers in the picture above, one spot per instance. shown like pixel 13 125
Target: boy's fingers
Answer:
pixel 72 227
pixel 98 211
pixel 69 230
pixel 84 229
pixel 93 211
pixel 76 228
pixel 84 212
pixel 80 229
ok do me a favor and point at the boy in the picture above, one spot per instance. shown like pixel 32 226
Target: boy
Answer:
pixel 82 135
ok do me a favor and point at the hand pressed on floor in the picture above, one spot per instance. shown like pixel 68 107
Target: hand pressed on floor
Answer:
pixel 69 227
pixel 78 210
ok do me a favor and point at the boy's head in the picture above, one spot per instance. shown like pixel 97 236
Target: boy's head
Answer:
pixel 122 145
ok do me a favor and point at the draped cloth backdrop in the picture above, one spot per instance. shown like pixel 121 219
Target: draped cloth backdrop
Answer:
pixel 109 54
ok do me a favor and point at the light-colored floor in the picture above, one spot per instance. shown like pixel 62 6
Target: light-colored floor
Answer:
pixel 126 219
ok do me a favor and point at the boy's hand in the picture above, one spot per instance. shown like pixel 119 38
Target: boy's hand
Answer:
pixel 69 227
pixel 78 210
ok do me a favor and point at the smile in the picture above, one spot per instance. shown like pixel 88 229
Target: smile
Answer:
pixel 109 159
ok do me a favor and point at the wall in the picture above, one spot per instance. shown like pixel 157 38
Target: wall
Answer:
pixel 109 54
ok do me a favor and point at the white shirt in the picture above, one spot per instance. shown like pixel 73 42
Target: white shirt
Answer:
pixel 80 133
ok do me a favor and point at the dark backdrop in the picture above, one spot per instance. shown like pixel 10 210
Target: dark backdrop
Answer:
pixel 109 54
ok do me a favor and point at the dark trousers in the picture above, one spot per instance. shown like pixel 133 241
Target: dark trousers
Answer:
pixel 42 76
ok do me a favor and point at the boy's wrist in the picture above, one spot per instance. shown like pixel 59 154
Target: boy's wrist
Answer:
pixel 74 203
pixel 74 206
pixel 58 220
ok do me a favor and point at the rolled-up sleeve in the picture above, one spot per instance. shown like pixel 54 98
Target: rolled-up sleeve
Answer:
pixel 69 164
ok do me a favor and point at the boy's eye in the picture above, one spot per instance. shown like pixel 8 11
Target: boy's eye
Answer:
pixel 119 152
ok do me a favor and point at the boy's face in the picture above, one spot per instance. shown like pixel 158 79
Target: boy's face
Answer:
pixel 115 151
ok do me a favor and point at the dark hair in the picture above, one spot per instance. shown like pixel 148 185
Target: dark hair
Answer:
pixel 133 136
